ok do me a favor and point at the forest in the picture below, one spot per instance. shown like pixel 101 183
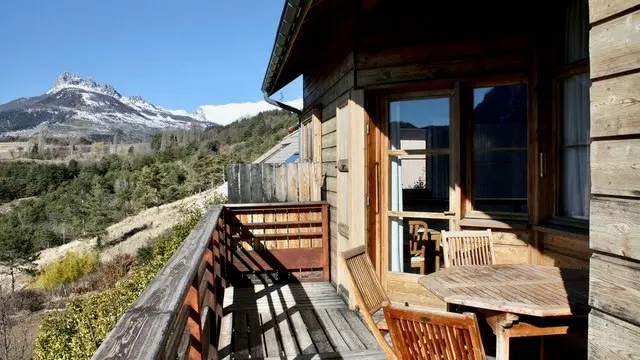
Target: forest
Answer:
pixel 80 200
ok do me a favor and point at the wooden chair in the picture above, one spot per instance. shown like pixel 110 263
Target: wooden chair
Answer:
pixel 433 335
pixel 418 230
pixel 368 292
pixel 467 248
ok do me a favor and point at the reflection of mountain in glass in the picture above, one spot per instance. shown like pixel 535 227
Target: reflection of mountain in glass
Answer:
pixel 500 119
pixel 500 149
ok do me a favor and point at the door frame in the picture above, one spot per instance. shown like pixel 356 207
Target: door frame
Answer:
pixel 378 160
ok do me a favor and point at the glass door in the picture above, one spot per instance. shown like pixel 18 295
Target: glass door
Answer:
pixel 420 183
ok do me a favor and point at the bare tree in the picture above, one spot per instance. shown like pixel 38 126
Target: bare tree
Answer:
pixel 14 343
pixel 116 141
pixel 42 140
pixel 165 140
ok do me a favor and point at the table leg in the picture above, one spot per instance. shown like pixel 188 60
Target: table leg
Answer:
pixel 500 324
pixel 502 344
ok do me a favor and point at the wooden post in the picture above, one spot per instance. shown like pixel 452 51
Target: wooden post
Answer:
pixel 326 243
pixel 194 322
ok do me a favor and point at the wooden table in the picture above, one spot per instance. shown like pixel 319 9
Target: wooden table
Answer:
pixel 518 300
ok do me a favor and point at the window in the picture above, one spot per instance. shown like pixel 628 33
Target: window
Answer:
pixel 293 158
pixel 573 129
pixel 499 159
pixel 419 181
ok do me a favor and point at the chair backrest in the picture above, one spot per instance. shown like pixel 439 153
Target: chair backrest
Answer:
pixel 367 290
pixel 468 248
pixel 433 335
pixel 418 237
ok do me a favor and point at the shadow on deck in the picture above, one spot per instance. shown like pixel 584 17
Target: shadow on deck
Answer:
pixel 292 321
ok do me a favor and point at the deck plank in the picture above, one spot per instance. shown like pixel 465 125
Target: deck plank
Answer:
pixel 241 335
pixel 255 336
pixel 224 340
pixel 270 335
pixel 302 334
pixel 360 329
pixel 293 321
pixel 345 330
pixel 315 330
pixel 332 332
pixel 287 337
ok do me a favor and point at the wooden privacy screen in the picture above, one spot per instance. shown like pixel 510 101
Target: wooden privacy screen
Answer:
pixel 179 314
pixel 267 183
pixel 293 237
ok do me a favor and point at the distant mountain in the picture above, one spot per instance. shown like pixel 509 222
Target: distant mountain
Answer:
pixel 77 107
pixel 228 113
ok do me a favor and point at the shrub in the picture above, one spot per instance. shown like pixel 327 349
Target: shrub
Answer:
pixel 109 273
pixel 76 331
pixel 144 254
pixel 70 268
pixel 27 299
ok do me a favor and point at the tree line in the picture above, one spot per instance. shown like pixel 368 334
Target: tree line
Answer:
pixel 77 200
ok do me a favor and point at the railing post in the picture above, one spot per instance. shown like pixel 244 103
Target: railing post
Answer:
pixel 194 321
pixel 326 251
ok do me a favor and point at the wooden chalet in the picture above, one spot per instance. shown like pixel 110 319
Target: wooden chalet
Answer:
pixel 522 118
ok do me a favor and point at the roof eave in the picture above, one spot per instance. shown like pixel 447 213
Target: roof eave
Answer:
pixel 292 17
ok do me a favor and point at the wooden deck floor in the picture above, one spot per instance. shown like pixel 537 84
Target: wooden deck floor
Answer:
pixel 293 321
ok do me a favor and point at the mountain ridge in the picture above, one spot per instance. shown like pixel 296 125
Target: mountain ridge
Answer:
pixel 80 107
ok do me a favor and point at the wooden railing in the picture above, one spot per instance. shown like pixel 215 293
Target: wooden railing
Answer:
pixel 291 237
pixel 178 315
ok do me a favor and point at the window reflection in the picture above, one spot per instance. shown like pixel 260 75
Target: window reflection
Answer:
pixel 420 183
pixel 500 149
pixel 415 245
pixel 419 124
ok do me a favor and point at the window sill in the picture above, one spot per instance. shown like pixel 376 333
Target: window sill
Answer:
pixel 563 227
pixel 508 224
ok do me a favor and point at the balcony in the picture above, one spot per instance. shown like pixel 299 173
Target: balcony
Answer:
pixel 250 281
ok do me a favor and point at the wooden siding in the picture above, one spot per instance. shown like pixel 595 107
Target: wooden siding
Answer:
pixel 615 105
pixel 614 321
pixel 564 251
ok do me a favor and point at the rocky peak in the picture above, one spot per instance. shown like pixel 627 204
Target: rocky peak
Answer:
pixel 71 80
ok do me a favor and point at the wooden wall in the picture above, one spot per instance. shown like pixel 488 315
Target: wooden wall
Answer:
pixel 614 321
pixel 325 89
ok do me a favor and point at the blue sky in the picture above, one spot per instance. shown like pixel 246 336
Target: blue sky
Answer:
pixel 177 54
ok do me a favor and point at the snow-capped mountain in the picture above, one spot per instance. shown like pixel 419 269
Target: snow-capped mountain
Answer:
pixel 81 107
pixel 228 113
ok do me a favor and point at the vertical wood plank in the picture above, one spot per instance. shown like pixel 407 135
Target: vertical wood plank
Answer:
pixel 326 255
pixel 233 184
pixel 256 184
pixel 268 183
pixel 281 182
pixel 316 187
pixel 304 186
pixel 292 182
pixel 245 183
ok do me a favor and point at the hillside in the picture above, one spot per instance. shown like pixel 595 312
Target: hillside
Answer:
pixel 76 200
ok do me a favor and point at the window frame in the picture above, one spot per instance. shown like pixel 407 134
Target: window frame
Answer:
pixel 563 72
pixel 469 211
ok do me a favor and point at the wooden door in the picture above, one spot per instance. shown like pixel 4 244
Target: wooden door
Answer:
pixel 416 172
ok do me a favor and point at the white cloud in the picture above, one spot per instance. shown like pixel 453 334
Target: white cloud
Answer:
pixel 228 113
